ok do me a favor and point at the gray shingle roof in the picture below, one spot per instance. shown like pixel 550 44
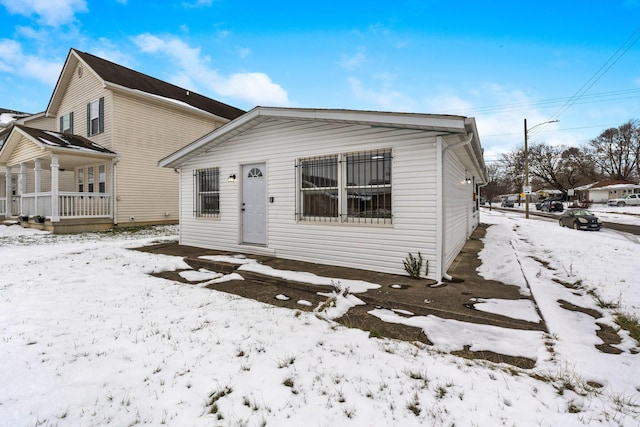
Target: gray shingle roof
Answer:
pixel 132 79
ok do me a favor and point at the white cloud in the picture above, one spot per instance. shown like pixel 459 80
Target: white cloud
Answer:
pixel 384 99
pixel 50 12
pixel 13 60
pixel 349 62
pixel 501 126
pixel 197 3
pixel 194 71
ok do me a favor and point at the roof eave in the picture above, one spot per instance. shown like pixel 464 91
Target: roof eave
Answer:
pixel 149 96
pixel 439 123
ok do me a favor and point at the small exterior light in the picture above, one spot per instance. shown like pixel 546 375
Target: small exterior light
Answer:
pixel 232 178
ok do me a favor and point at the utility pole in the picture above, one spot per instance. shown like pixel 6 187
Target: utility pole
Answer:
pixel 526 172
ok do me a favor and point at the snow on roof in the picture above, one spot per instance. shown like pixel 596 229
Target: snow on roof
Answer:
pixel 63 140
pixel 7 118
pixel 616 186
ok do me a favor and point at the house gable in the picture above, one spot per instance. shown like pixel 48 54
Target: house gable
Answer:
pixel 115 76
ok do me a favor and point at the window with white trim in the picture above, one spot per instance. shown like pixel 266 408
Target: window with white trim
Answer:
pixel 207 192
pixel 90 177
pixel 102 179
pixel 66 123
pixel 95 117
pixel 351 187
pixel 81 180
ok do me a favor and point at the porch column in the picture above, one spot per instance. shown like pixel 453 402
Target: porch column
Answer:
pixel 22 184
pixel 55 204
pixel 8 178
pixel 38 175
pixel 38 184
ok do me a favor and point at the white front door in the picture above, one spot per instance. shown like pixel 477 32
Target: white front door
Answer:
pixel 254 207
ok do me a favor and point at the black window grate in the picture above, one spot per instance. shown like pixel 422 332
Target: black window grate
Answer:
pixel 207 192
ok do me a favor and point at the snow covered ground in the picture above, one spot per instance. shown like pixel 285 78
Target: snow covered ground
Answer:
pixel 88 337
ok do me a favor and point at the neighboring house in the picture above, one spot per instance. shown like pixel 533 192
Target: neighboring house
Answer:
pixel 90 160
pixel 350 188
pixel 7 117
pixel 603 191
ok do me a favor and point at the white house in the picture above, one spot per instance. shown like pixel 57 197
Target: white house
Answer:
pixel 359 189
pixel 603 191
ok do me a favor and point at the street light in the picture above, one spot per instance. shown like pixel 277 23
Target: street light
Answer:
pixel 527 189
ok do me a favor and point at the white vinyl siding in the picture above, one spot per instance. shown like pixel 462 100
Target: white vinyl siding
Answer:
pixel 380 247
pixel 81 91
pixel 458 201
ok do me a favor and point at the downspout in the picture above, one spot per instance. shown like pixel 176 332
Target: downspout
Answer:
pixel 445 275
pixel 114 191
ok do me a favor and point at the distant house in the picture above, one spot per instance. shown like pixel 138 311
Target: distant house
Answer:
pixel 89 161
pixel 7 117
pixel 603 191
pixel 359 189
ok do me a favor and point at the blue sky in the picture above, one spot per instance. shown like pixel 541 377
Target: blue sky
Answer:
pixel 498 61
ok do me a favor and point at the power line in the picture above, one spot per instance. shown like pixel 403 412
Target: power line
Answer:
pixel 613 59
pixel 559 130
pixel 548 103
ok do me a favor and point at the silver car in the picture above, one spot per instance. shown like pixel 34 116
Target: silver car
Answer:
pixel 629 199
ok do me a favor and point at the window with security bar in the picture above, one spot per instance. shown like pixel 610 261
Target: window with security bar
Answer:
pixel 368 186
pixel 353 187
pixel 319 188
pixel 207 192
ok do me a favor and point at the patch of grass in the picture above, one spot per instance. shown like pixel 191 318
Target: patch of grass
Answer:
pixel 374 333
pixel 600 302
pixel 217 395
pixel 283 363
pixel 573 408
pixel 413 265
pixel 414 405
pixel 288 382
pixel 630 324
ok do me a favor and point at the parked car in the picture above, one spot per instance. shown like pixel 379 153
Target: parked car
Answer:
pixel 552 206
pixel 580 219
pixel 552 199
pixel 507 203
pixel 629 199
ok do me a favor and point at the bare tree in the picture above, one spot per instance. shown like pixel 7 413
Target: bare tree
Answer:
pixel 545 162
pixel 512 167
pixel 616 151
pixel 496 183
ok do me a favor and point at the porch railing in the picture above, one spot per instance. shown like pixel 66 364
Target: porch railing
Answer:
pixel 70 205
pixel 36 204
pixel 84 205
pixel 3 206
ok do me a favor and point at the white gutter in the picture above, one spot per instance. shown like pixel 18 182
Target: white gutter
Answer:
pixel 114 191
pixel 443 226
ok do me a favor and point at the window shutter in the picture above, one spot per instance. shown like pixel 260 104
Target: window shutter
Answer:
pixel 61 123
pixel 89 119
pixel 71 122
pixel 101 115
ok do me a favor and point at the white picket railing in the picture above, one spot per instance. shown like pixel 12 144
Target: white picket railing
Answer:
pixel 84 205
pixel 70 205
pixel 3 206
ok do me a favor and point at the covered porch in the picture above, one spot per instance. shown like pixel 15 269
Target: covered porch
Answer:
pixel 56 182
